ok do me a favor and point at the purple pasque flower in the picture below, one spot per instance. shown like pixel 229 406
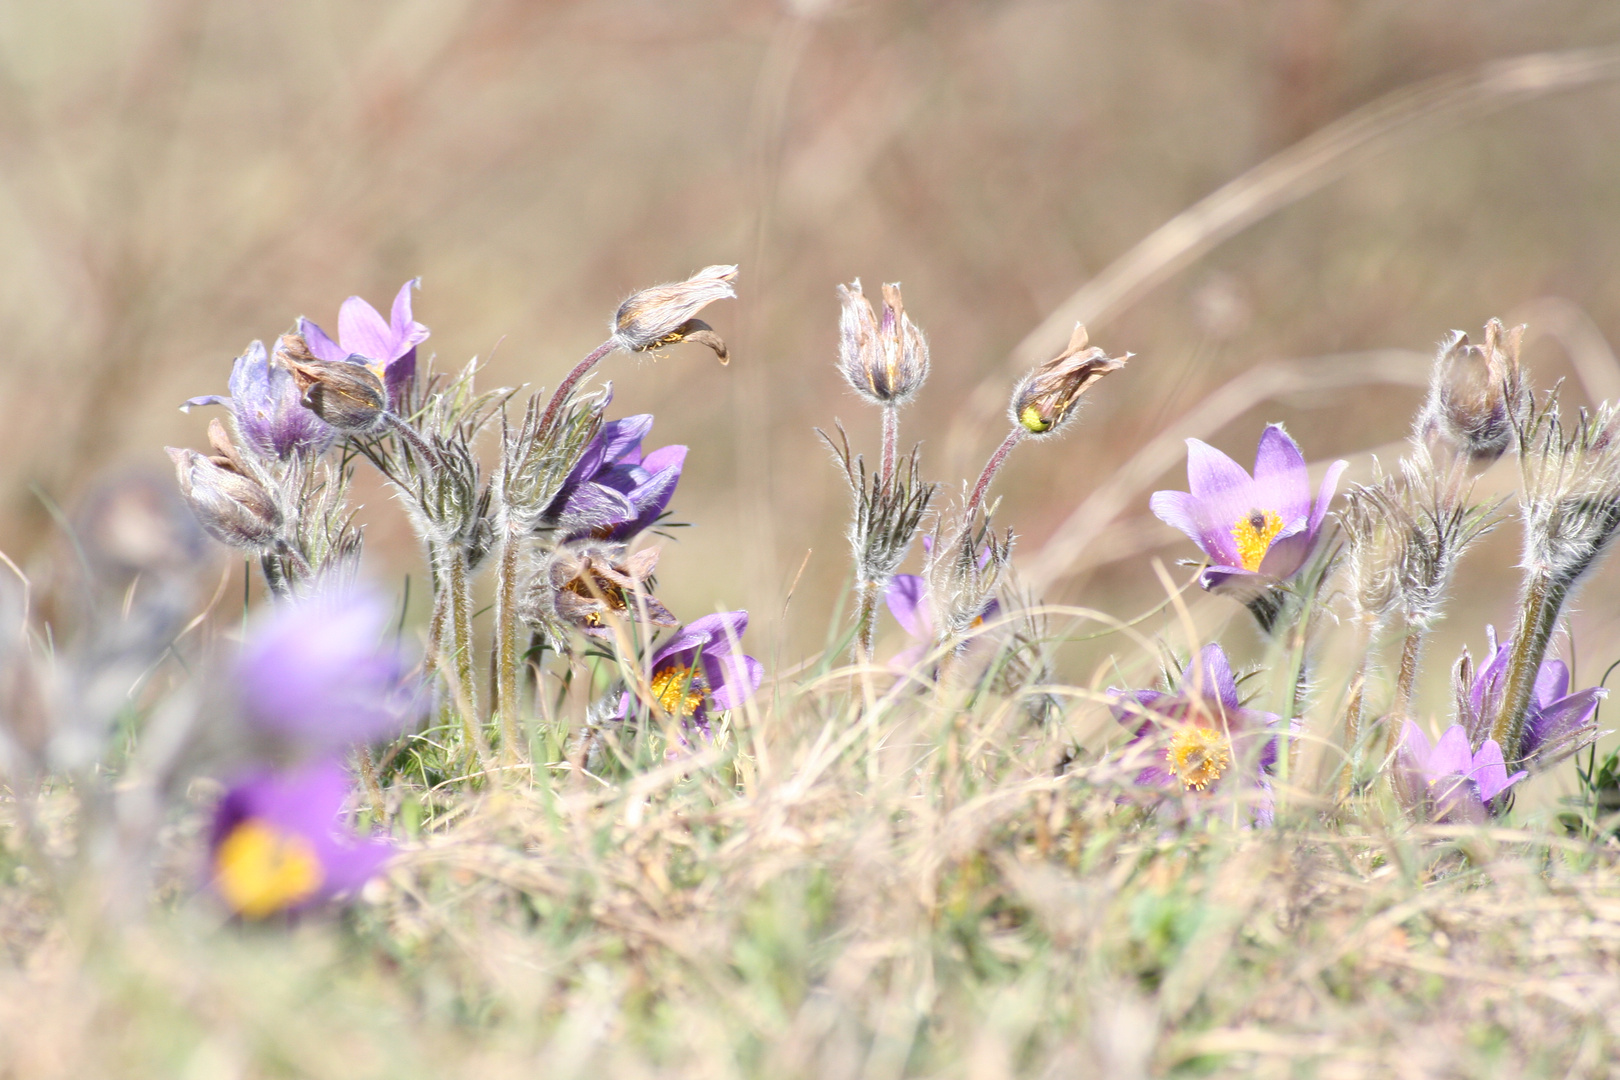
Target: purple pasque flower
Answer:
pixel 386 346
pixel 615 491
pixel 268 408
pixel 1557 723
pixel 1253 529
pixel 1448 782
pixel 1199 737
pixel 321 673
pixel 278 842
pixel 700 668
pixel 907 598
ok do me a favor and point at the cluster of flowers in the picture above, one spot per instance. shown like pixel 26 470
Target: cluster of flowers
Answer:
pixel 563 509
pixel 1267 543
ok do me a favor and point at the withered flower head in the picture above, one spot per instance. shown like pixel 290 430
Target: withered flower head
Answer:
pixel 347 395
pixel 1045 399
pixel 1476 394
pixel 591 586
pixel 886 363
pixel 663 314
pixel 231 505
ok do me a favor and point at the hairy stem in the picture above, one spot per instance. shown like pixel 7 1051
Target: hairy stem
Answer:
pixel 565 387
pixel 891 439
pixel 374 792
pixel 506 646
pixel 991 467
pixel 461 606
pixel 1400 709
pixel 1538 614
pixel 866 594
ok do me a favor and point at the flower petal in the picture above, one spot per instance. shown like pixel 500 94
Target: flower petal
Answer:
pixel 907 597
pixel 362 330
pixel 322 346
pixel 1281 480
pixel 1211 678
pixel 1450 754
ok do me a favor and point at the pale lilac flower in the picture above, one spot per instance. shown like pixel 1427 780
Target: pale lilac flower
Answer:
pixel 278 842
pixel 386 346
pixel 699 669
pixel 1199 737
pixel 1448 782
pixel 907 598
pixel 1254 530
pixel 268 408
pixel 1557 722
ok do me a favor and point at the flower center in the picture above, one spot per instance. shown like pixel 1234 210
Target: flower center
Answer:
pixel 263 869
pixel 1254 533
pixel 679 690
pixel 1198 756
pixel 1032 419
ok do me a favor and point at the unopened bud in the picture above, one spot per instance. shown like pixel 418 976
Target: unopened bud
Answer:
pixel 663 314
pixel 347 395
pixel 1044 400
pixel 886 363
pixel 1476 392
pixel 234 508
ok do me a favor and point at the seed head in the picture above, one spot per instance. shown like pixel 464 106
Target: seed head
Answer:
pixel 1045 399
pixel 663 314
pixel 886 363
pixel 1476 394
pixel 234 507
pixel 347 395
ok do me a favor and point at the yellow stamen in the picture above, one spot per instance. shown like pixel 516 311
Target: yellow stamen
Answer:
pixel 1254 533
pixel 262 870
pixel 1198 755
pixel 679 690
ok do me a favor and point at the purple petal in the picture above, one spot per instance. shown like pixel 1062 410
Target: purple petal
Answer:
pixel 1552 682
pixel 362 330
pixel 1218 579
pixel 590 507
pixel 1450 754
pixel 733 678
pixel 1559 720
pixel 907 597
pixel 206 399
pixel 322 346
pixel 1180 510
pixel 718 630
pixel 1281 480
pixel 1224 494
pixel 1132 706
pixel 1324 498
pixel 1213 678
pixel 1155 777
pixel 1489 772
pixel 406 331
pixel 665 457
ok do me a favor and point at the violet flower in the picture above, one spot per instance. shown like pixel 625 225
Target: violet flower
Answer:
pixel 1254 530
pixel 907 597
pixel 1200 737
pixel 1556 724
pixel 1448 782
pixel 321 674
pixel 699 669
pixel 614 491
pixel 386 346
pixel 278 842
pixel 268 408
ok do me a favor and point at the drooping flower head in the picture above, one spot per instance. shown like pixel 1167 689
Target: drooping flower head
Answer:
pixel 614 491
pixel 1476 396
pixel 1199 736
pixel 1447 782
pixel 884 362
pixel 279 844
pixel 1044 400
pixel 322 674
pixel 663 314
pixel 699 669
pixel 268 408
pixel 1253 529
pixel 386 346
pixel 1557 722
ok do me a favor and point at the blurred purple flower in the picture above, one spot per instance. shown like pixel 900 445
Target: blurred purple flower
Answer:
pixel 614 492
pixel 1557 723
pixel 1253 529
pixel 321 674
pixel 907 597
pixel 1200 732
pixel 699 668
pixel 278 842
pixel 268 407
pixel 1447 782
pixel 386 346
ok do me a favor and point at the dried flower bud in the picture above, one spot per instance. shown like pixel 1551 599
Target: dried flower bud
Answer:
pixel 346 394
pixel 663 314
pixel 885 364
pixel 1045 398
pixel 586 588
pixel 1476 393
pixel 234 508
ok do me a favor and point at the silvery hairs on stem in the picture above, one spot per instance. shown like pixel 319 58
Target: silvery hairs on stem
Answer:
pixel 886 518
pixel 1570 496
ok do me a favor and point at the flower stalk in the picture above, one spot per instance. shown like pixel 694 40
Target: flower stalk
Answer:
pixel 1543 599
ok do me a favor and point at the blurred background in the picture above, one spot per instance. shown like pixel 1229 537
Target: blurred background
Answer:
pixel 179 177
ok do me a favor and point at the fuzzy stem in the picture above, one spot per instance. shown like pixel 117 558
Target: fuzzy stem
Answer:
pixel 275 575
pixel 567 385
pixel 866 594
pixel 1401 708
pixel 506 646
pixel 1538 614
pixel 891 439
pixel 410 435
pixel 991 467
pixel 461 606
pixel 368 773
